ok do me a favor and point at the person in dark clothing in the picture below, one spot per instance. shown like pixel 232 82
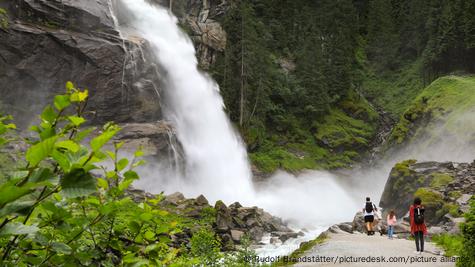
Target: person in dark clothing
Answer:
pixel 368 212
pixel 418 226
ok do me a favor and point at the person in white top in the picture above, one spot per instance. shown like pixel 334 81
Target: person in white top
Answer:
pixel 368 211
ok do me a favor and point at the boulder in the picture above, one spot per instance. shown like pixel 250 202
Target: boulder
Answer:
pixel 201 200
pixel 174 198
pixel 284 236
pixel 463 202
pixel 236 235
pixel 346 227
pixel 358 224
pixel 224 220
pixel 435 230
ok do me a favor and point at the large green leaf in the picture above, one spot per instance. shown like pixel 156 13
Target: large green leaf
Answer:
pixel 43 175
pixel 49 115
pixel 78 183
pixel 15 228
pixel 122 164
pixel 99 141
pixel 16 207
pixel 61 248
pixel 62 160
pixel 69 145
pixel 40 151
pixel 10 192
pixel 77 121
pixel 61 102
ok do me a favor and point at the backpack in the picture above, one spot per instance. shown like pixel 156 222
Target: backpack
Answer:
pixel 369 207
pixel 419 215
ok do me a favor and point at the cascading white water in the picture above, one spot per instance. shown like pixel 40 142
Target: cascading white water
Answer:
pixel 216 160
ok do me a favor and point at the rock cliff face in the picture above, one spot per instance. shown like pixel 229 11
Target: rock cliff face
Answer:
pixel 50 42
pixel 444 187
pixel 200 18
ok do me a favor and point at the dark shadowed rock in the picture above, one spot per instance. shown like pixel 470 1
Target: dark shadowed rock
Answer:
pixel 224 220
pixel 50 42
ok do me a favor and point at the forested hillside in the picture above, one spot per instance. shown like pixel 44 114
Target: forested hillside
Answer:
pixel 287 62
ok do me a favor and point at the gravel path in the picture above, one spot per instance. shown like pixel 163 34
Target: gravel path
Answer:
pixel 341 246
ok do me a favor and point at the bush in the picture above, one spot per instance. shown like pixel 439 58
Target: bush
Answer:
pixel 468 233
pixel 452 244
pixel 63 208
pixel 206 247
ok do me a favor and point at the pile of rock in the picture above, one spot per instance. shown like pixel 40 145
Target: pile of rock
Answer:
pixel 235 221
pixel 231 223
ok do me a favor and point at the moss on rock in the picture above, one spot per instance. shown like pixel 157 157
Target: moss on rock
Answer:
pixel 440 180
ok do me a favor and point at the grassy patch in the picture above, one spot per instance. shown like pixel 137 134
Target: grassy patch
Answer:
pixel 342 131
pixel 449 208
pixel 440 180
pixel 430 198
pixel 441 105
pixel 304 247
pixel 452 244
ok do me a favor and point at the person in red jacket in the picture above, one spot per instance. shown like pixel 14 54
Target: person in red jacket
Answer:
pixel 418 226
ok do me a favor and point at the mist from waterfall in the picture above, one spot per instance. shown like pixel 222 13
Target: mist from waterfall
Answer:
pixel 216 158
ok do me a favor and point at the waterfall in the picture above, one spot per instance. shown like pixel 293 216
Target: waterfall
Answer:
pixel 216 159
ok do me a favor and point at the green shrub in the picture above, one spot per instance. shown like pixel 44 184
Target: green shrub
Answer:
pixel 452 244
pixel 64 208
pixel 468 233
pixel 206 247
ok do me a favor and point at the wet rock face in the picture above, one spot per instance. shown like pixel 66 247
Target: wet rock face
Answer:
pixel 50 42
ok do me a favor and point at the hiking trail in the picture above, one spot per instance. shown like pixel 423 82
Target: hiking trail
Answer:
pixel 339 245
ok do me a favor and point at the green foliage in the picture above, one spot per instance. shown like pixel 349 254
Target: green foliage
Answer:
pixel 336 142
pixel 206 247
pixel 3 19
pixel 452 244
pixel 430 198
pixel 468 233
pixel 440 180
pixel 449 208
pixel 394 91
pixel 57 210
pixel 445 100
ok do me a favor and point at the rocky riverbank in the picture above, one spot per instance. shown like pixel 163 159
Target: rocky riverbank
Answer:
pixel 231 223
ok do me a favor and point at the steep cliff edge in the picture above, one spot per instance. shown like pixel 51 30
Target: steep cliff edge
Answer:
pixel 47 43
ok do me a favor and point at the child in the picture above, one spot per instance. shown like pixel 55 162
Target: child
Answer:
pixel 391 219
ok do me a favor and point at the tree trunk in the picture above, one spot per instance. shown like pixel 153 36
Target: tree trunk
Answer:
pixel 241 104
